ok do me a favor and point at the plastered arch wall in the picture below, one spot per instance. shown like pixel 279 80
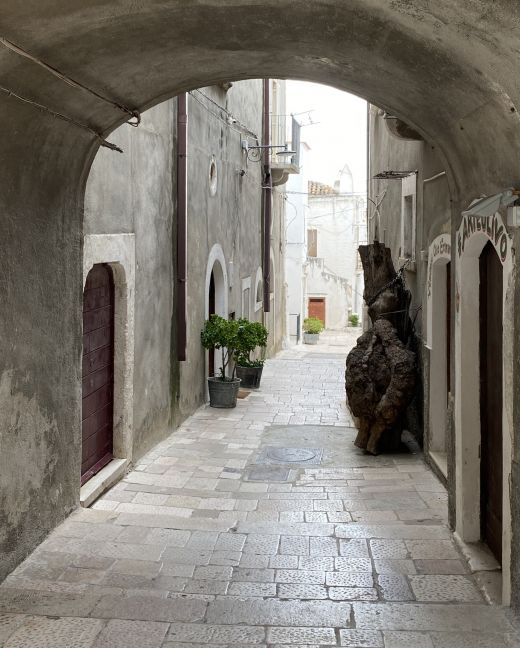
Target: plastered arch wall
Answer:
pixel 118 251
pixel 472 236
pixel 439 256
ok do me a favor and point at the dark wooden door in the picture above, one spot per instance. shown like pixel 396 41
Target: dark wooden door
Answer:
pixel 491 399
pixel 317 308
pixel 211 354
pixel 448 331
pixel 98 371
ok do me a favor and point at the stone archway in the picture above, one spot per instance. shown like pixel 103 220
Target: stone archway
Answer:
pixel 443 70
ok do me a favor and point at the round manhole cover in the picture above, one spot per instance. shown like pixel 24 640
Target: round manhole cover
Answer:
pixel 291 455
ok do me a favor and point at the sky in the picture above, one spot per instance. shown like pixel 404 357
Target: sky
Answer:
pixel 340 136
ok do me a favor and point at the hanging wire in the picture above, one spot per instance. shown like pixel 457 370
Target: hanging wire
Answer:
pixel 135 116
pixel 70 120
pixel 241 131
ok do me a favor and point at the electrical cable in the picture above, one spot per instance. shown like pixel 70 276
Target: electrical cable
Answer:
pixel 134 114
pixel 228 113
pixel 243 129
pixel 70 120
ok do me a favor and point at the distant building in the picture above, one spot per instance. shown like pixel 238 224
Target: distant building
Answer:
pixel 336 225
pixel 323 272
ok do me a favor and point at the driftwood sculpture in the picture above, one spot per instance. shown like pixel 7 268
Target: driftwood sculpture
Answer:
pixel 380 377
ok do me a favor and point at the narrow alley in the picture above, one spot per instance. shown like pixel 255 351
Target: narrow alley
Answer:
pixel 259 526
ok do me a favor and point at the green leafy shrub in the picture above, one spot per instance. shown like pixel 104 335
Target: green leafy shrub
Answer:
pixel 354 319
pixel 312 325
pixel 250 336
pixel 220 333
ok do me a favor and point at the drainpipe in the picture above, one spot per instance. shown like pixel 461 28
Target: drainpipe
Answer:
pixel 182 222
pixel 268 193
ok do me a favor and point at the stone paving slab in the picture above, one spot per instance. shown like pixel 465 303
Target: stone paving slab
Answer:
pixel 186 552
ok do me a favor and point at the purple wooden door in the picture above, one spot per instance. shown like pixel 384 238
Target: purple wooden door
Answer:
pixel 98 371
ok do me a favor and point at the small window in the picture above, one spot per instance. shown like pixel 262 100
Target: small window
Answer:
pixel 246 297
pixel 312 243
pixel 213 177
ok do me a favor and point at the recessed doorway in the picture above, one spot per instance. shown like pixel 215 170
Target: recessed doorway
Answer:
pixel 491 461
pixel 317 308
pixel 98 371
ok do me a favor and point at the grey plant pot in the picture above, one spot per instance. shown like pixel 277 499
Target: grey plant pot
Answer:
pixel 311 338
pixel 223 393
pixel 250 376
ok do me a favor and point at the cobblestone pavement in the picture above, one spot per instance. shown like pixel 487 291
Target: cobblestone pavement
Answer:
pixel 201 546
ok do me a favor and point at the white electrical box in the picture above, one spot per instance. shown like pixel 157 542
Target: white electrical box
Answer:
pixel 513 216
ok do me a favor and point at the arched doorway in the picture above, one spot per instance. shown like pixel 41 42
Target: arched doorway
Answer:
pixel 211 359
pixel 216 297
pixel 97 419
pixel 439 344
pixel 491 395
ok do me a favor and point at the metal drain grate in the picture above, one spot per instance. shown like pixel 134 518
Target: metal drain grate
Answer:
pixel 276 455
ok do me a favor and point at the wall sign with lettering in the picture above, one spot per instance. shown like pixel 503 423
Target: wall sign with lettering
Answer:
pixel 439 252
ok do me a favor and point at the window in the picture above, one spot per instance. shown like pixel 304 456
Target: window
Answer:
pixel 312 243
pixel 246 297
pixel 408 217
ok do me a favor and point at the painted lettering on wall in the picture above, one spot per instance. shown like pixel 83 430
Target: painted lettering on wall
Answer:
pixel 492 227
pixel 440 248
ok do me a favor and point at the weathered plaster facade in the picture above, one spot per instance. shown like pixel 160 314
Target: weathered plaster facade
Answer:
pixel 137 194
pixel 443 275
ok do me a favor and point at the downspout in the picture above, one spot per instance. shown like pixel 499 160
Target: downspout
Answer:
pixel 182 223
pixel 267 193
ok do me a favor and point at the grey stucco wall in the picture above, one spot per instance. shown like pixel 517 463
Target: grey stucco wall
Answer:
pixel 136 193
pixel 387 152
pixel 133 192
pixel 231 218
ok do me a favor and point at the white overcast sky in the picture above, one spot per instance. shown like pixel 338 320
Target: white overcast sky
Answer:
pixel 340 136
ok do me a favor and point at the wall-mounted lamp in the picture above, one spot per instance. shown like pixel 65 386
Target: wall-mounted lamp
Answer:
pixel 254 153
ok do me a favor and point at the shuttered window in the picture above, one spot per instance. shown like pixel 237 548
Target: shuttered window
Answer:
pixel 312 243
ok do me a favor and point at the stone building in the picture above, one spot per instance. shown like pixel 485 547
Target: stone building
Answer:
pixel 336 226
pixel 137 385
pixel 325 226
pixel 461 276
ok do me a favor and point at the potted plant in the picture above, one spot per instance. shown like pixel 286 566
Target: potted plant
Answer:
pixel 353 319
pixel 250 336
pixel 312 327
pixel 220 333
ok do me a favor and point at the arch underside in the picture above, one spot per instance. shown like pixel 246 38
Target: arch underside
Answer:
pixel 447 71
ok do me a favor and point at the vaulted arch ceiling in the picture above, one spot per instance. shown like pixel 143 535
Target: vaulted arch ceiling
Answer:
pixel 447 68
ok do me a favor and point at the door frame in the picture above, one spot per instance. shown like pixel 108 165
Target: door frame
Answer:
pixel 439 256
pixel 217 266
pixel 473 234
pixel 118 251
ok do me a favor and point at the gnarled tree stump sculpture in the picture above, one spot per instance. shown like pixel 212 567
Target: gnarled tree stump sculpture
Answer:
pixel 381 373
pixel 380 382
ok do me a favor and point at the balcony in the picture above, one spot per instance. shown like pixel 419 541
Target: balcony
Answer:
pixel 282 166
